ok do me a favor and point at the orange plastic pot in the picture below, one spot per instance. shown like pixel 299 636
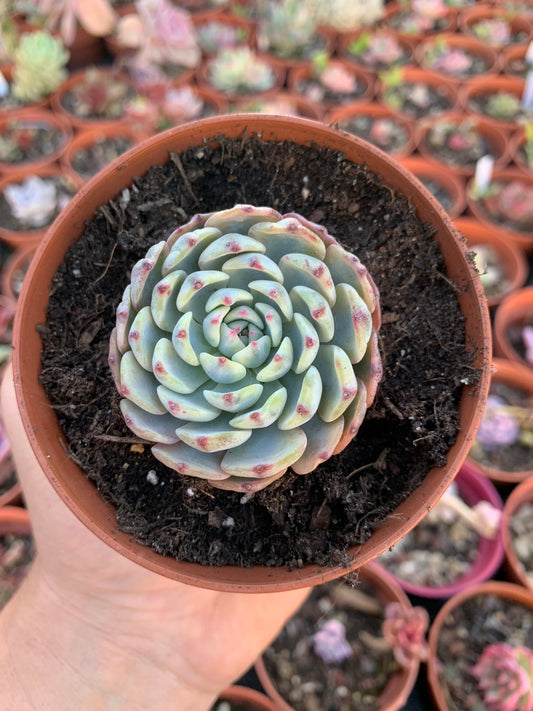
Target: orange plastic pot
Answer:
pixel 516 376
pixel 507 591
pixel 517 152
pixel 400 684
pixel 520 238
pixel 485 86
pixel 467 44
pixel 74 80
pixel 87 138
pixel 514 61
pixel 452 184
pixel 470 16
pixel 247 699
pixel 343 48
pixel 521 494
pixel 81 496
pixel 342 115
pixel 27 119
pixel 14 519
pixel 494 137
pixel 364 78
pixel 13 271
pixel 512 259
pixel 516 310
pixel 433 80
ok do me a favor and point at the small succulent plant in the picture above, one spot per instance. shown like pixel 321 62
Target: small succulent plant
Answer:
pixel 240 70
pixel 330 642
pixel 505 677
pixel 510 203
pixel 39 66
pixel 404 630
pixel 246 343
pixel 286 28
pixel 349 15
pixel 503 105
pixel 377 49
pixel 494 31
pixel 441 57
pixel 33 201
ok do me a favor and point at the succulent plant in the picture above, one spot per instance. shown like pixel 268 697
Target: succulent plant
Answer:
pixel 404 630
pixel 240 70
pixel 505 677
pixel 287 28
pixel 246 343
pixel 330 643
pixel 39 66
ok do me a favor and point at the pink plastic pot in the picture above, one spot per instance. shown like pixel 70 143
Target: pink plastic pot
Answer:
pixel 473 487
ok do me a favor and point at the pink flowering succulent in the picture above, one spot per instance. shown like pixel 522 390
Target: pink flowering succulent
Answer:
pixel 443 58
pixel 404 629
pixel 511 203
pixel 495 31
pixel 498 428
pixel 505 677
pixel 330 642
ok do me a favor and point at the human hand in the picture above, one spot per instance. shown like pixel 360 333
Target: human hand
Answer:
pixel 90 630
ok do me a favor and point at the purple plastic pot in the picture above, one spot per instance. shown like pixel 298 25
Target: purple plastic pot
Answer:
pixel 473 487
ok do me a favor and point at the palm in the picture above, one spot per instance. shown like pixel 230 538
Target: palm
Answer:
pixel 187 630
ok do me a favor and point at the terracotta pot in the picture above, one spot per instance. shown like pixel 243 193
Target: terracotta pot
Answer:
pixel 521 239
pixel 14 267
pixel 29 237
pixel 452 184
pixel 473 487
pixel 57 100
pixel 521 494
pixel 81 496
pixel 400 685
pixel 343 49
pixel 436 82
pixel 514 61
pixel 495 139
pixel 517 152
pixel 14 519
pixel 87 138
pixel 32 118
pixel 246 698
pixel 512 259
pixel 342 115
pixel 394 9
pixel 284 102
pixel 515 310
pixel 516 376
pixel 469 45
pixel 486 86
pixel 508 591
pixel 363 78
pixel 470 16
pixel 203 80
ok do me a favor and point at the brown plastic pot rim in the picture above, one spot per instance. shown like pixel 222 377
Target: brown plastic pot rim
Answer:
pixel 521 494
pixel 81 496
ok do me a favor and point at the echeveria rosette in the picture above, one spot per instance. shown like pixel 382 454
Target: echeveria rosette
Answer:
pixel 246 344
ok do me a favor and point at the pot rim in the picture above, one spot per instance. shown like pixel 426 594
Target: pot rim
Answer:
pixel 81 496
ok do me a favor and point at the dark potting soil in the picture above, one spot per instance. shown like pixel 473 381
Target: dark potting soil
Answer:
pixel 468 629
pixel 305 680
pixel 90 160
pixel 409 429
pixel 417 99
pixel 391 136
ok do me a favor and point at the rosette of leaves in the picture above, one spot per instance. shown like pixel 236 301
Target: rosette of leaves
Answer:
pixel 246 343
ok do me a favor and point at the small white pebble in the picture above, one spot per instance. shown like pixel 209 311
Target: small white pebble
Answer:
pixel 152 477
pixel 228 522
pixel 190 491
pixel 76 273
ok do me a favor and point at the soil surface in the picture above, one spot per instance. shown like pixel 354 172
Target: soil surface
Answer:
pixel 384 132
pixel 89 161
pixel 305 680
pixel 409 429
pixel 417 99
pixel 480 621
